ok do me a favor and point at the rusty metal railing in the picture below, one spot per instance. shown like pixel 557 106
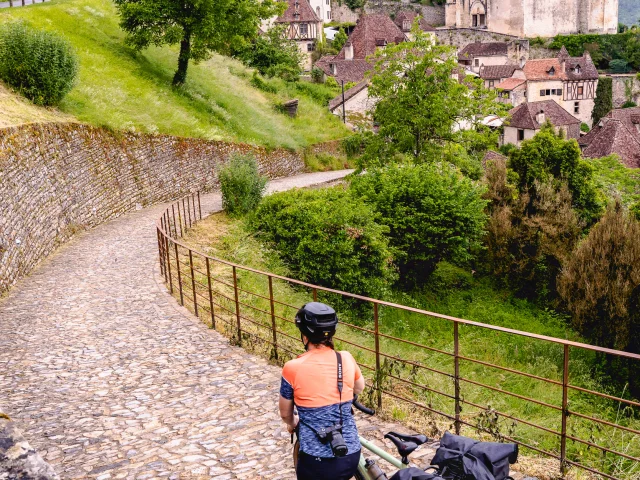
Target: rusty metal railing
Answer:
pixel 213 289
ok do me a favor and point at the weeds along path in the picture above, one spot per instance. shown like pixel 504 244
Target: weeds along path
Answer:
pixel 109 378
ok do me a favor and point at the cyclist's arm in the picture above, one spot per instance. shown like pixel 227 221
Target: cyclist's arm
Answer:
pixel 358 385
pixel 286 413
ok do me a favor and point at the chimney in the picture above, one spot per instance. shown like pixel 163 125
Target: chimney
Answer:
pixel 348 51
pixel 540 118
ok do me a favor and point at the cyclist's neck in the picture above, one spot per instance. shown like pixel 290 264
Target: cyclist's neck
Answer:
pixel 311 347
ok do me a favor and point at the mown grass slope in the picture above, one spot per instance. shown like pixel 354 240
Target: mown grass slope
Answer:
pixel 124 89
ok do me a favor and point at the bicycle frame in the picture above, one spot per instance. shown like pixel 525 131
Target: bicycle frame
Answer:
pixel 378 451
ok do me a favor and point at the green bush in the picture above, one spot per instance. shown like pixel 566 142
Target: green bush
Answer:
pixel 321 93
pixel 241 184
pixel 619 66
pixel 327 237
pixel 317 74
pixel 40 65
pixel 432 211
pixel 274 55
pixel 584 127
pixel 258 82
pixel 629 104
pixel 447 278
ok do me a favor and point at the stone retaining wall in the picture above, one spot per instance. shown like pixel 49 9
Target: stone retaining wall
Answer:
pixel 59 178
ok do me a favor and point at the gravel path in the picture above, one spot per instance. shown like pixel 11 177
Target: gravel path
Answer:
pixel 109 378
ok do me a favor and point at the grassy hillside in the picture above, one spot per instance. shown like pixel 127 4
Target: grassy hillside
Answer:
pixel 15 110
pixel 629 12
pixel 123 89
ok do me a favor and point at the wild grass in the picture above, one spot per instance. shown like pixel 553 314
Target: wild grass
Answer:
pixel 17 110
pixel 478 300
pixel 123 89
pixel 615 179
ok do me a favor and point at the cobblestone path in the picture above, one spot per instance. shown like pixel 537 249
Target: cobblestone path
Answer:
pixel 109 378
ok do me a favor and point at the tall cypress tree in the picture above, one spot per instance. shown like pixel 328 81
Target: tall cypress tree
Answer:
pixel 604 99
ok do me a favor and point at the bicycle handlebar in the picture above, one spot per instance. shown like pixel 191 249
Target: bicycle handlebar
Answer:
pixel 361 407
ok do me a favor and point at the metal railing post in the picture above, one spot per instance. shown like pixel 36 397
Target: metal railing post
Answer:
pixel 565 407
pixel 456 360
pixel 193 204
pixel 235 291
pixel 315 295
pixel 179 219
pixel 273 319
pixel 377 344
pixel 161 254
pixel 178 272
pixel 175 227
pixel 199 206
pixel 213 317
pixel 166 243
pixel 184 214
pixel 188 212
pixel 193 284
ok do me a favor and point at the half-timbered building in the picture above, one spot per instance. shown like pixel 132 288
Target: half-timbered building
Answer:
pixel 304 27
pixel 569 81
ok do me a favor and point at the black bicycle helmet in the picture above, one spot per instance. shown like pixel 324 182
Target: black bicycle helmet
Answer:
pixel 317 321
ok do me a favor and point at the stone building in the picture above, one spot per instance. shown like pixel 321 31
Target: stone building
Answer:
pixel 323 9
pixel 512 91
pixel 304 27
pixel 478 54
pixel 617 133
pixel 570 81
pixel 528 118
pixel 371 33
pixel 492 75
pixel 405 19
pixel 534 18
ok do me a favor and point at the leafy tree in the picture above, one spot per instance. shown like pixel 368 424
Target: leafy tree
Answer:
pixel 339 40
pixel 604 99
pixel 528 239
pixel 424 105
pixel 199 26
pixel 432 211
pixel 600 285
pixel 353 4
pixel 619 66
pixel 40 65
pixel 549 158
pixel 327 237
pixel 274 54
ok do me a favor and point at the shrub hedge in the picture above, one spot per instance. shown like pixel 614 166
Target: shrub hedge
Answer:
pixel 40 65
pixel 241 184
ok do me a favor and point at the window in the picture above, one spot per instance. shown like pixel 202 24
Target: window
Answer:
pixel 328 2
pixel 580 90
pixel 491 83
pixel 476 62
pixel 329 14
pixel 482 20
pixel 406 25
pixel 304 29
pixel 520 135
pixel 576 107
pixel 318 12
pixel 542 93
pixel 559 92
pixel 552 71
pixel 311 47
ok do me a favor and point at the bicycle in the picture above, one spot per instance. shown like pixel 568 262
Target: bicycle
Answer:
pixel 405 444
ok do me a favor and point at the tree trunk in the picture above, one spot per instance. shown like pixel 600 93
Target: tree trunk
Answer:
pixel 183 60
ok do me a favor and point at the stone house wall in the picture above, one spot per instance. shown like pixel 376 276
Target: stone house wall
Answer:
pixel 60 178
pixel 625 87
pixel 433 15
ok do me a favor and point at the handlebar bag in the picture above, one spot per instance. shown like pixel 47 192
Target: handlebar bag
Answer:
pixel 462 458
pixel 413 473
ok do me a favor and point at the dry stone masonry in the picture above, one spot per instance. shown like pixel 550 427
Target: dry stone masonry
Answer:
pixel 57 179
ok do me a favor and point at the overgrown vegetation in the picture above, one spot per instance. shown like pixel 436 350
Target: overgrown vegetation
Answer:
pixel 327 237
pixel 123 89
pixel 604 99
pixel 604 49
pixel 241 185
pixel 40 65
pixel 432 212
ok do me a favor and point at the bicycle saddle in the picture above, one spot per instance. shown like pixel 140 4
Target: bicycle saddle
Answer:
pixel 406 444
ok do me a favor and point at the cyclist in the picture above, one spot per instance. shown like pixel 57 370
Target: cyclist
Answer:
pixel 322 392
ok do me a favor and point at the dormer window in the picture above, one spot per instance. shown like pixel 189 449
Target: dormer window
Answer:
pixel 551 72
pixel 381 42
pixel 577 69
pixel 406 25
pixel 333 68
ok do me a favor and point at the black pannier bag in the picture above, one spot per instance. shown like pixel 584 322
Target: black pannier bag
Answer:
pixel 413 473
pixel 461 458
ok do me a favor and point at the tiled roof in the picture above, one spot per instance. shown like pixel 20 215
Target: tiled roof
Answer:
pixel 347 70
pixel 496 72
pixel 615 138
pixel 370 30
pixel 336 102
pixel 479 49
pixel 576 68
pixel 410 16
pixel 302 8
pixel 491 155
pixel 510 84
pixel 524 116
pixel 617 133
